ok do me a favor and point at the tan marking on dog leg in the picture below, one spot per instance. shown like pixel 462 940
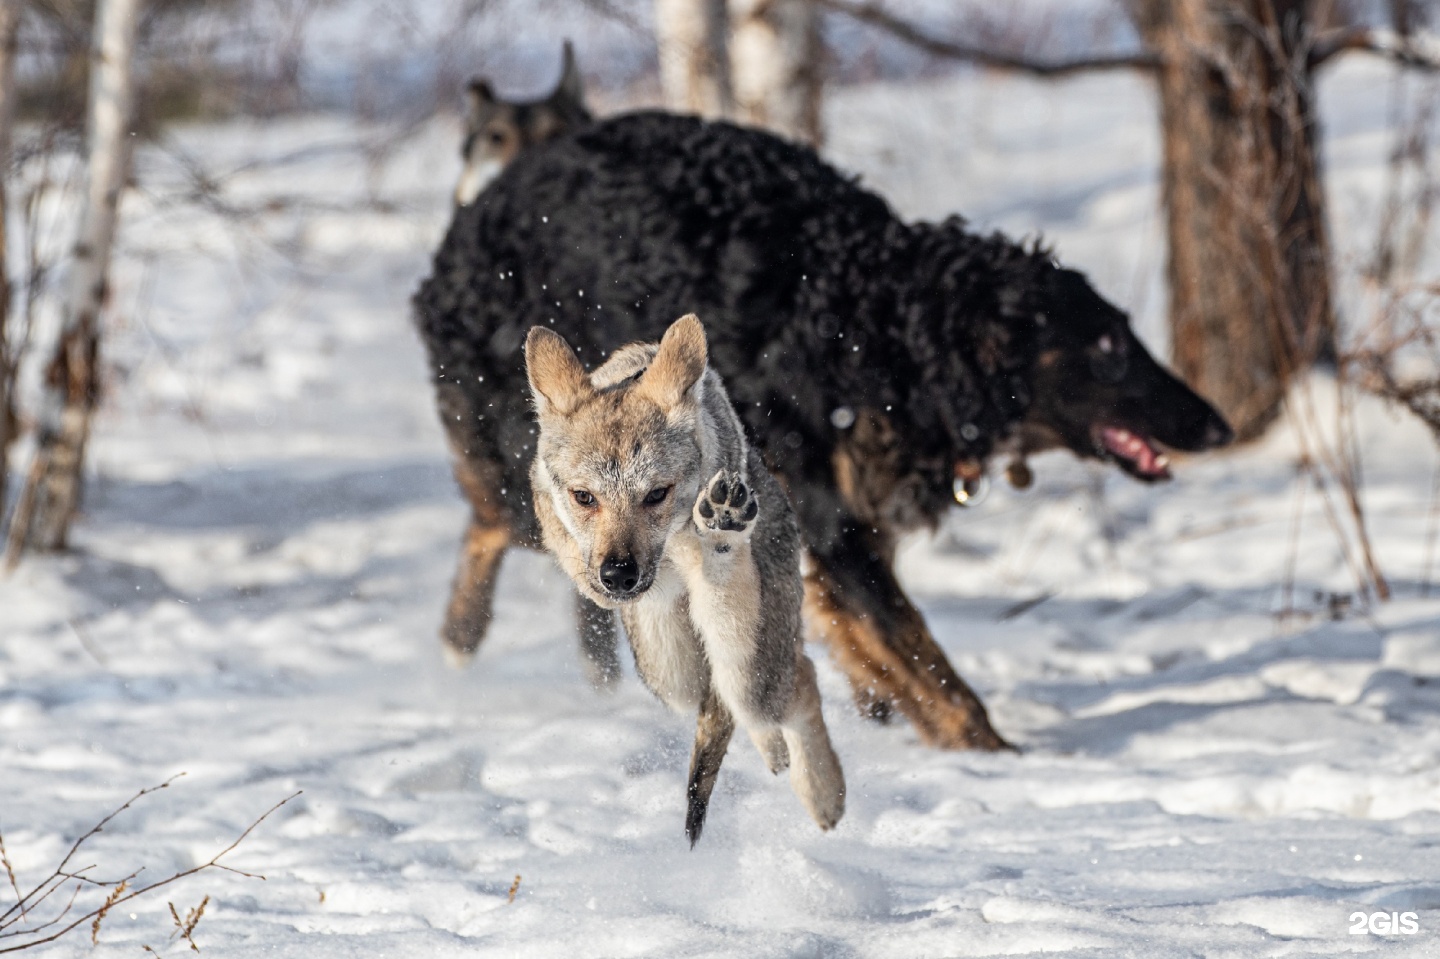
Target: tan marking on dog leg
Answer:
pixel 468 614
pixel 823 626
pixel 472 597
pixel 907 669
pixel 870 706
pixel 815 773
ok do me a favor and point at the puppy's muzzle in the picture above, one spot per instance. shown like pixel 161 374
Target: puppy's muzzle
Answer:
pixel 620 577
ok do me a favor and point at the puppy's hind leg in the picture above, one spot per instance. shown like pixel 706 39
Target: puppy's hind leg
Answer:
pixel 771 743
pixel 815 772
pixel 713 729
pixel 599 659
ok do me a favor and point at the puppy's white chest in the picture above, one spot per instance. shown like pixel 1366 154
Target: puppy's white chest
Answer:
pixel 667 654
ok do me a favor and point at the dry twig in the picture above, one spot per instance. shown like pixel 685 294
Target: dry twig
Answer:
pixel 1407 51
pixel 876 15
pixel 16 923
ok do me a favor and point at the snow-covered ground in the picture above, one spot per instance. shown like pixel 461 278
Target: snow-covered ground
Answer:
pixel 270 534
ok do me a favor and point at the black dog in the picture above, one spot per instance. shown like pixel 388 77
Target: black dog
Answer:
pixel 876 364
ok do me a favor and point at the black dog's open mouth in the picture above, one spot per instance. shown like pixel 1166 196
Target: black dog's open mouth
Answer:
pixel 1135 454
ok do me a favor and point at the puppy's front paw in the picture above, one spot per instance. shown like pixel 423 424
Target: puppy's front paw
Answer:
pixel 725 505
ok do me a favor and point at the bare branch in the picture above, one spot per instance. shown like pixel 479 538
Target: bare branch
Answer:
pixel 121 892
pixel 59 871
pixel 1416 51
pixel 53 920
pixel 871 12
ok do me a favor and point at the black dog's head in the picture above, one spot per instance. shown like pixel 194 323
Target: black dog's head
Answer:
pixel 1099 393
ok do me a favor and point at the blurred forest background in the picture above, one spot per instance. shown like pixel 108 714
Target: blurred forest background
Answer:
pixel 1252 298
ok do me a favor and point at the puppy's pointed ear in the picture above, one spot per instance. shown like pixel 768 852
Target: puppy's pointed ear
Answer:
pixel 557 379
pixel 678 365
pixel 571 85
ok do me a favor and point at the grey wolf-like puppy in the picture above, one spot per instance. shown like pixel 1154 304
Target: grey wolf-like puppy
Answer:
pixel 655 505
pixel 496 130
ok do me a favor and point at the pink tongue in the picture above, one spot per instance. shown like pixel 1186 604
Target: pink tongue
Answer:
pixel 1135 449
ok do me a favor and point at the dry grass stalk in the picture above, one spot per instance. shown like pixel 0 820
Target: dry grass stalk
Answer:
pixel 514 888
pixel 9 870
pixel 104 910
pixel 185 927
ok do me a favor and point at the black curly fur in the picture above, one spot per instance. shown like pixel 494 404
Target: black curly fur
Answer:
pixel 814 295
pixel 931 343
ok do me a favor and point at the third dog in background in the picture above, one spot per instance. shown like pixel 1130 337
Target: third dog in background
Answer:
pixel 497 130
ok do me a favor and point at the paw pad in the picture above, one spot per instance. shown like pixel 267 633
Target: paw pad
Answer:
pixel 726 504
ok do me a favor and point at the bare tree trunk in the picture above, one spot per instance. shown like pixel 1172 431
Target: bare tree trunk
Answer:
pixel 777 65
pixel 9 38
pixel 1250 299
pixel 52 493
pixel 694 60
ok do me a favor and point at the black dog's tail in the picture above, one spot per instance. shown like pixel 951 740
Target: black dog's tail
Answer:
pixel 713 729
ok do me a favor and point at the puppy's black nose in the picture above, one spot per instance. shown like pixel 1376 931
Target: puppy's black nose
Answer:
pixel 619 575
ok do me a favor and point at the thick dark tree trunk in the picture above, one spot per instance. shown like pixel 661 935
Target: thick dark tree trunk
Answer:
pixel 1250 299
pixel 71 384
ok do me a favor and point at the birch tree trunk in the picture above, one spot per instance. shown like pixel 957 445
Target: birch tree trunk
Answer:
pixel 1249 272
pixel 694 60
pixel 70 389
pixel 777 66
pixel 9 38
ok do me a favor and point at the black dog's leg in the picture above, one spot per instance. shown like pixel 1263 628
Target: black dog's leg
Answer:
pixel 467 617
pixel 597 643
pixel 713 729
pixel 488 536
pixel 882 643
pixel 869 703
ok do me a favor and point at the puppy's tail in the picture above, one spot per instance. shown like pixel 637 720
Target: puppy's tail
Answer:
pixel 713 729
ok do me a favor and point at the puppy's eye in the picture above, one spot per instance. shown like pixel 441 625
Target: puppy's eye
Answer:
pixel 496 137
pixel 656 496
pixel 583 497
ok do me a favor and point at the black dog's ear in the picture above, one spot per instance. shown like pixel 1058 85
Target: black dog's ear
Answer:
pixel 571 85
pixel 479 95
